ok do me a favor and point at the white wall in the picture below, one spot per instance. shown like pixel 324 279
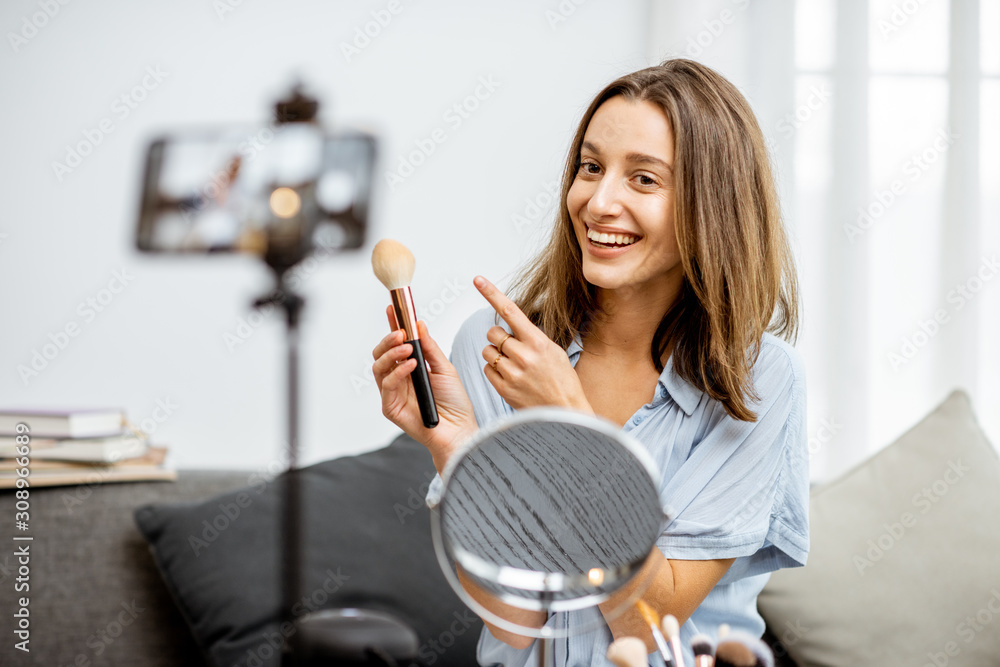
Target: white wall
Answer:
pixel 162 337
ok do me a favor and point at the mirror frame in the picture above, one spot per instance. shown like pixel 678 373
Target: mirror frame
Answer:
pixel 530 580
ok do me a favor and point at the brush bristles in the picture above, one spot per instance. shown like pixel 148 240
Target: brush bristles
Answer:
pixel 743 650
pixel 628 652
pixel 734 654
pixel 702 645
pixel 671 628
pixel 393 264
pixel 648 613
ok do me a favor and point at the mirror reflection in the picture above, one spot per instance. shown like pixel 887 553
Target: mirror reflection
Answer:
pixel 550 510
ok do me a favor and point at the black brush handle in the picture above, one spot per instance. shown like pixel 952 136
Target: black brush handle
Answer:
pixel 422 386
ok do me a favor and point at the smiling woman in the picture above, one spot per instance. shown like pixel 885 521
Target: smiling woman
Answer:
pixel 682 152
pixel 654 305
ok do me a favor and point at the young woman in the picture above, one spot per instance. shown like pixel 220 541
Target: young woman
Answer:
pixel 660 303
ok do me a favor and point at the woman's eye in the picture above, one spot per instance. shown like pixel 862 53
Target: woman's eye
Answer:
pixel 646 180
pixel 590 168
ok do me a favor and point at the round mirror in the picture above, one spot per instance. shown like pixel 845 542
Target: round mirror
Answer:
pixel 548 510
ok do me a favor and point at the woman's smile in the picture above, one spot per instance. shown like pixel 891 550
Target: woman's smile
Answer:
pixel 610 239
pixel 609 245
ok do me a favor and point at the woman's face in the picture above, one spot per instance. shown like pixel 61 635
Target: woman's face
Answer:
pixel 622 199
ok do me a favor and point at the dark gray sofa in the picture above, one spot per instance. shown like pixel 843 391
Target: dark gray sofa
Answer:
pixel 98 596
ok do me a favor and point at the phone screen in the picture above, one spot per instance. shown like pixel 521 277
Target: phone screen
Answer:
pixel 240 190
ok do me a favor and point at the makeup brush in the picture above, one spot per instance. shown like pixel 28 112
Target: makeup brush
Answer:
pixel 739 649
pixel 704 650
pixel 651 618
pixel 628 652
pixel 672 629
pixel 393 265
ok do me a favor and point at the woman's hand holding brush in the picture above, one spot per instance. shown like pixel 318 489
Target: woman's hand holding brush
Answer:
pixel 413 395
pixel 392 369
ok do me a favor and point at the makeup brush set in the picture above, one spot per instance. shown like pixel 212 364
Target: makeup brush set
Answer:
pixel 734 649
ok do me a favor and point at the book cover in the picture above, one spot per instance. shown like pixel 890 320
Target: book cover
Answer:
pixel 64 423
pixel 89 475
pixel 154 456
pixel 94 450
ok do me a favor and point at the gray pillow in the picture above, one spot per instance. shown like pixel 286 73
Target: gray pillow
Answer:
pixel 367 544
pixel 905 560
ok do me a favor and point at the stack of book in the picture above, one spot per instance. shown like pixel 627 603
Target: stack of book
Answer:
pixel 78 447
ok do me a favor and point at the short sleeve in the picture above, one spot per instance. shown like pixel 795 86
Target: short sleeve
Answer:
pixel 743 491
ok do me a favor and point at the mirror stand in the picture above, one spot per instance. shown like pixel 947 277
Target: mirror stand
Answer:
pixel 548 510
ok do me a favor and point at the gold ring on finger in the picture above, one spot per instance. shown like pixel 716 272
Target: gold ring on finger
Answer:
pixel 500 346
pixel 494 363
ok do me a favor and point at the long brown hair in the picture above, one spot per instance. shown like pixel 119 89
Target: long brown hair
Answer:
pixel 739 275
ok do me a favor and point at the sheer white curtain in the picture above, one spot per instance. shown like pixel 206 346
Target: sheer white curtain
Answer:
pixel 878 117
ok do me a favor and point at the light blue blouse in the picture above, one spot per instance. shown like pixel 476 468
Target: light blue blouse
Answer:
pixel 736 489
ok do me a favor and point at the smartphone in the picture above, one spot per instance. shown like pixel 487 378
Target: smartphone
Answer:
pixel 283 189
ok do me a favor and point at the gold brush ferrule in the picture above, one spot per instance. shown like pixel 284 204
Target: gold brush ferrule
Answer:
pixel 406 314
